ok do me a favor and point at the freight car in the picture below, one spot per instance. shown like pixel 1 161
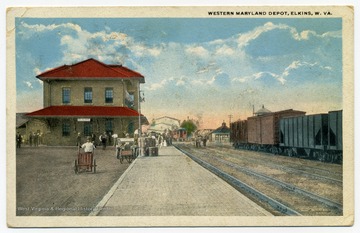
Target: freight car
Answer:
pixel 291 133
pixel 263 130
pixel 316 136
pixel 260 132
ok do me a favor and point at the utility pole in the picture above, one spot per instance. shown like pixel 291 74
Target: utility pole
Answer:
pixel 230 116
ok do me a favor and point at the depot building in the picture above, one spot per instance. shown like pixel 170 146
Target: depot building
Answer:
pixel 86 98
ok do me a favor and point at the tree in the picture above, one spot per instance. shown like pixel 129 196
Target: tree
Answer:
pixel 189 126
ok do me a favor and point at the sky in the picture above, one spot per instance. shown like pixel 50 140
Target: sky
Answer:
pixel 202 68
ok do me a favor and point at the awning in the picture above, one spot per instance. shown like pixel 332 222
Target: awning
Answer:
pixel 86 111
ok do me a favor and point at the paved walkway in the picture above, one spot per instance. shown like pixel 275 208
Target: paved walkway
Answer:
pixel 171 184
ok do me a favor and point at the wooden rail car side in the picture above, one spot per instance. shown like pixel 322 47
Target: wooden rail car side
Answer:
pixel 263 130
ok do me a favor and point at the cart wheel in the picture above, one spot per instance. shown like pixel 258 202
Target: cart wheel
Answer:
pixel 76 167
pixel 94 164
pixel 121 158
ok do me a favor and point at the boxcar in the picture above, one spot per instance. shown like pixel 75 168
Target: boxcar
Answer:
pixel 238 133
pixel 263 130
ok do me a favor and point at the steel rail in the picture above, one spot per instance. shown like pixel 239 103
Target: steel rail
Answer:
pixel 297 170
pixel 243 186
pixel 313 168
pixel 288 186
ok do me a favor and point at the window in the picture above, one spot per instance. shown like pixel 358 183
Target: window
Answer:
pixel 88 128
pixel 66 129
pixel 129 99
pixel 109 125
pixel 66 95
pixel 131 127
pixel 108 95
pixel 88 95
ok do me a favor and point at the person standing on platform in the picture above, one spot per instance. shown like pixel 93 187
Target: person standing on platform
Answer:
pixel 36 139
pixel 31 138
pixel 142 145
pixel 109 138
pixel 103 139
pixel 204 141
pixel 114 136
pixel 93 139
pixel 78 140
pixel 88 146
pixel 18 140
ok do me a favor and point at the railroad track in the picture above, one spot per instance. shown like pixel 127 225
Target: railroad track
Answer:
pixel 305 168
pixel 317 173
pixel 275 195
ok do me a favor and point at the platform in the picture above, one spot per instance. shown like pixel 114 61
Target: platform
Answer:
pixel 172 184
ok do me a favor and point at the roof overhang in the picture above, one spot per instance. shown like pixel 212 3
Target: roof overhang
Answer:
pixel 48 79
pixel 86 111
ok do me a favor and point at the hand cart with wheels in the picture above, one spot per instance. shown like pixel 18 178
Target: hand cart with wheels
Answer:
pixel 126 149
pixel 85 162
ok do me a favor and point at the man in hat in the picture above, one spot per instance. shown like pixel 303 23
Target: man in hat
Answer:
pixel 88 146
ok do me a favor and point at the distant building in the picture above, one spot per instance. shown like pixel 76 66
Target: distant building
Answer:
pixel 221 134
pixel 262 111
pixel 179 134
pixel 87 97
pixel 161 124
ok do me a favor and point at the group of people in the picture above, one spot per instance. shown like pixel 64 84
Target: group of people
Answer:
pixel 104 140
pixel 200 139
pixel 34 139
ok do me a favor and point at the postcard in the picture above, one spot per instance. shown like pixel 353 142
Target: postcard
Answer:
pixel 180 116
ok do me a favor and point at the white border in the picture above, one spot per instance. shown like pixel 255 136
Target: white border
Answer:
pixel 13 3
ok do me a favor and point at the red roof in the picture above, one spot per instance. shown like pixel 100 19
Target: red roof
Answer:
pixel 90 68
pixel 84 111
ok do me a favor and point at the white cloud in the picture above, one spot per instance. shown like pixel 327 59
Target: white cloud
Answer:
pixel 51 27
pixel 37 71
pixel 28 84
pixel 199 51
pixel 224 51
pixel 203 70
pixel 141 50
pixel 335 34
pixel 84 43
pixel 157 86
pixel 181 81
pixel 296 65
pixel 306 34
pixel 245 38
